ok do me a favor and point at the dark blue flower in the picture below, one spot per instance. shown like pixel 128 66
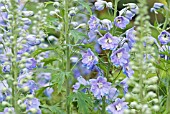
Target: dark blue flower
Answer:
pixel 164 37
pixel 100 87
pixel 117 107
pixel 6 68
pixel 89 60
pixel 121 22
pixel 120 57
pixel 94 23
pixel 108 41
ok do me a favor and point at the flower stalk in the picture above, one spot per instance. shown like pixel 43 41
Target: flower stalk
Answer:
pixel 66 26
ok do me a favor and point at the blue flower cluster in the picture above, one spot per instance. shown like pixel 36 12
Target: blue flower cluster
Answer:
pixel 17 45
pixel 120 56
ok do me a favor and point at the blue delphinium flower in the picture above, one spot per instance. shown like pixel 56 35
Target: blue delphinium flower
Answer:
pixel 121 22
pixel 127 70
pixel 100 4
pixel 130 37
pixel 108 41
pixel 32 106
pixel 113 93
pixel 132 7
pixel 32 40
pixel 106 25
pixel 94 23
pixel 3 17
pixel 156 6
pixel 43 79
pixel 48 91
pixel 81 81
pixel 117 107
pixel 126 13
pixel 165 48
pixel 89 60
pixel 164 37
pixel 31 63
pixel 92 36
pixel 125 85
pixel 97 48
pixel 8 110
pixel 100 87
pixel 120 57
pixel 6 68
pixel 30 86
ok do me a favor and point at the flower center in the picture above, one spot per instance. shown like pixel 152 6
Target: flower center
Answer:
pixel 100 85
pixel 94 22
pixel 118 21
pixel 165 37
pixel 127 68
pixel 90 58
pixel 108 40
pixel 118 107
pixel 119 55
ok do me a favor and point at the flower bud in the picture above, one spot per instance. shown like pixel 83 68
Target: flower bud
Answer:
pixel 33 110
pixel 27 13
pixel 5 104
pixel 156 108
pixel 99 5
pixel 23 106
pixel 30 96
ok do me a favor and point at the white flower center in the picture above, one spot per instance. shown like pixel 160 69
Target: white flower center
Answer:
pixel 165 37
pixel 118 107
pixel 119 55
pixel 90 58
pixel 108 40
pixel 100 85
pixel 118 21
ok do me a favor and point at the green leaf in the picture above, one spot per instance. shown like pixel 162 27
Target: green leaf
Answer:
pixel 40 50
pixel 59 79
pixel 77 35
pixel 158 66
pixel 87 6
pixel 48 61
pixel 84 102
pixel 40 91
pixel 55 109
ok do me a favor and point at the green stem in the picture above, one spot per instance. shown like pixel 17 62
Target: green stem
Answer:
pixel 167 16
pixel 66 26
pixel 114 15
pixel 115 8
pixel 103 105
